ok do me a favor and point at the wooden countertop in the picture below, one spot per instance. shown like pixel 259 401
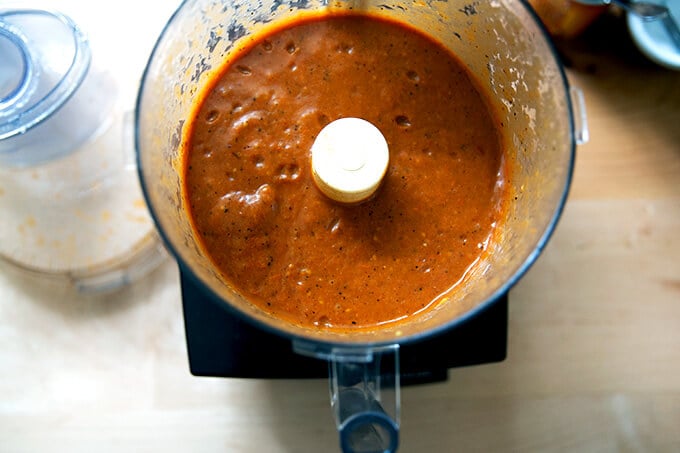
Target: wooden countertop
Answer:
pixel 594 336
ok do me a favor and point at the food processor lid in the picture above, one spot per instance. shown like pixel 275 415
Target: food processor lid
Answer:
pixel 70 202
pixel 45 58
pixel 654 39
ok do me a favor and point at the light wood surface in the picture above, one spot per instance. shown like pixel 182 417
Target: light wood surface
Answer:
pixel 594 336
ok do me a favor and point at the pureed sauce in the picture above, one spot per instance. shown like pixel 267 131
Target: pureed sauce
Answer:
pixel 285 246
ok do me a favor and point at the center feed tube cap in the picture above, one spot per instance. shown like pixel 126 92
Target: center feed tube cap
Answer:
pixel 349 160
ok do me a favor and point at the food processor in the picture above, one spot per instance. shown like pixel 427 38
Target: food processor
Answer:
pixel 504 46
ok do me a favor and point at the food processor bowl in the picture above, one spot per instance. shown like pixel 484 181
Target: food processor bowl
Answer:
pixel 503 45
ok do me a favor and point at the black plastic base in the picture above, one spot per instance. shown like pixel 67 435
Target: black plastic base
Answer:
pixel 222 345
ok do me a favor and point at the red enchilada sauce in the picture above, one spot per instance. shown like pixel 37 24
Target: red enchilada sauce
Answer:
pixel 282 243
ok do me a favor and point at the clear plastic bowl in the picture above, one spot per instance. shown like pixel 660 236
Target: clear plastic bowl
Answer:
pixel 70 202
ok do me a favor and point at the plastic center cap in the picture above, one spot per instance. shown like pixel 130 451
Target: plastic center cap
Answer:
pixel 352 159
pixel 349 160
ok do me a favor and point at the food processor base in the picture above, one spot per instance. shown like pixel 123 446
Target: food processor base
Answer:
pixel 220 344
